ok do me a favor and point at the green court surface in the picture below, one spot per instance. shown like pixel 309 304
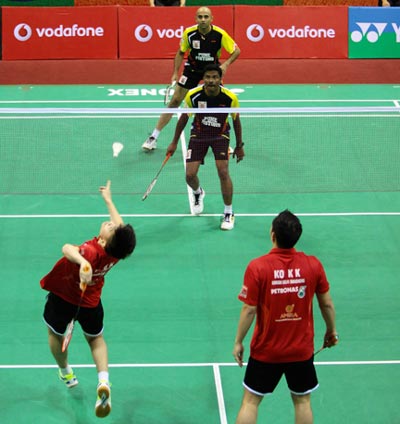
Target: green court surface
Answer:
pixel 328 153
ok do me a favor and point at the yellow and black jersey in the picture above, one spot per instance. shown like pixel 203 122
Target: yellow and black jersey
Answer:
pixel 205 49
pixel 207 125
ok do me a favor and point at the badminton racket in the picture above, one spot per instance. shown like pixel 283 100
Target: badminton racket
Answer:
pixel 169 91
pixel 319 350
pixel 153 183
pixel 329 341
pixel 70 327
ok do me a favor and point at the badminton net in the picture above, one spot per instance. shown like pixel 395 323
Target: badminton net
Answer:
pixel 288 150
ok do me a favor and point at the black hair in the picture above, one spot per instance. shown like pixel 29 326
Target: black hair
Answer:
pixel 123 243
pixel 213 67
pixel 287 228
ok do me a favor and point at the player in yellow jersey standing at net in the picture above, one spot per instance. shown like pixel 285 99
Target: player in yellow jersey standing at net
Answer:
pixel 210 130
pixel 204 43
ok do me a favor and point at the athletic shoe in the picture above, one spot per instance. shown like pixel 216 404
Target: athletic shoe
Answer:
pixel 103 403
pixel 149 144
pixel 70 380
pixel 228 221
pixel 198 202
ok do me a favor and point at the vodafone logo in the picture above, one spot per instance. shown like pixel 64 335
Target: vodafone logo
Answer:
pixel 22 32
pixel 144 33
pixel 256 32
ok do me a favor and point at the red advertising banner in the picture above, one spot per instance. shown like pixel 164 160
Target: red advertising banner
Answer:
pixel 60 33
pixel 155 32
pixel 291 31
pixel 112 2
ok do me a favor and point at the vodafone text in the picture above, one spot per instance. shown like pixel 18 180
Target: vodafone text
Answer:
pixel 23 32
pixel 144 33
pixel 255 32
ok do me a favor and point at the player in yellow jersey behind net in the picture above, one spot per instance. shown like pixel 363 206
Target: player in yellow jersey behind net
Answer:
pixel 210 130
pixel 203 42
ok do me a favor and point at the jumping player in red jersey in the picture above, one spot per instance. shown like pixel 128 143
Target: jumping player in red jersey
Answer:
pixel 89 263
pixel 278 290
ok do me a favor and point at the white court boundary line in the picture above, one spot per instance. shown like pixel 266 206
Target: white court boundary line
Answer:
pixel 220 395
pixel 141 101
pixel 259 110
pixel 181 215
pixel 216 372
pixel 194 364
pixel 280 116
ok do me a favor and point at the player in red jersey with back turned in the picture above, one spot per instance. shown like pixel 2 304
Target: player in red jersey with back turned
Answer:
pixel 278 290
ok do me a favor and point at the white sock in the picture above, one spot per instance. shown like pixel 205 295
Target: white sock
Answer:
pixel 66 371
pixel 228 209
pixel 103 376
pixel 155 133
pixel 198 191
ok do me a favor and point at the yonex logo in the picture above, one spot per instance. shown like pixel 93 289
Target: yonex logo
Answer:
pixel 22 32
pixel 372 31
pixel 256 33
pixel 148 92
pixel 144 33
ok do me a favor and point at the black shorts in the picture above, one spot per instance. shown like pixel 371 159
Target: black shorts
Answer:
pixel 190 78
pixel 261 378
pixel 58 313
pixel 198 148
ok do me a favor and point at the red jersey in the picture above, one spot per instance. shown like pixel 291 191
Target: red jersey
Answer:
pixel 282 285
pixel 63 280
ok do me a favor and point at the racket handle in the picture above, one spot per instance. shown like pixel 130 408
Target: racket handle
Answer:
pixel 85 275
pixel 82 286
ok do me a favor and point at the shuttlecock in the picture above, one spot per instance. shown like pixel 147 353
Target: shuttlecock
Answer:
pixel 117 147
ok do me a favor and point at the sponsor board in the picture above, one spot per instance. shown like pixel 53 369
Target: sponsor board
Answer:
pixel 60 33
pixel 151 33
pixel 31 3
pixel 374 32
pixel 291 32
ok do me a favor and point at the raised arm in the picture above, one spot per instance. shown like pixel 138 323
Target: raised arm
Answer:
pixel 112 210
pixel 71 252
